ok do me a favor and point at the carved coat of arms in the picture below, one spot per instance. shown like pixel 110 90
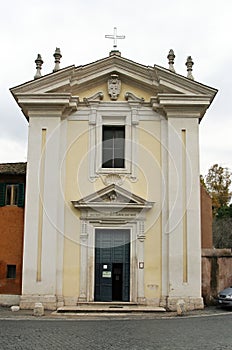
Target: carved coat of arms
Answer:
pixel 114 87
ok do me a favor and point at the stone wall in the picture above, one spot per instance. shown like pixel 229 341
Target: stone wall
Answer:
pixel 216 273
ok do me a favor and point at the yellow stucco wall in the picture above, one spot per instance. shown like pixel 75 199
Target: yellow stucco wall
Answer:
pixel 148 186
pixel 77 148
pixel 150 182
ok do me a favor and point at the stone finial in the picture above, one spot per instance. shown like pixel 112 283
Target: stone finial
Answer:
pixel 39 63
pixel 115 53
pixel 189 63
pixel 57 56
pixel 171 56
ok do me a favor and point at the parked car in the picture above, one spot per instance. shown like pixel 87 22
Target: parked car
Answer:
pixel 225 297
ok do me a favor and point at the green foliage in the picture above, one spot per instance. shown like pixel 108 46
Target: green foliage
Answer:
pixel 217 182
pixel 222 232
pixel 224 212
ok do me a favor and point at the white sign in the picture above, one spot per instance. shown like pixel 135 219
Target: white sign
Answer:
pixel 106 274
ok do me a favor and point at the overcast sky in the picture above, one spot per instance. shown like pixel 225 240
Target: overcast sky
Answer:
pixel 200 28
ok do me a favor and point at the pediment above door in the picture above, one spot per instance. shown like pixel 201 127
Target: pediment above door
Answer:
pixel 112 203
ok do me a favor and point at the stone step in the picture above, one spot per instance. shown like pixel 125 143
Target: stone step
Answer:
pixel 106 304
pixel 108 308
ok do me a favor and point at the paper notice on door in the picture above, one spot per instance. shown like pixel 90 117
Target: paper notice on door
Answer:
pixel 106 274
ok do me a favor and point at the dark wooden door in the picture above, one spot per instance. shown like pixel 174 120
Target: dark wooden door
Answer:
pixel 112 265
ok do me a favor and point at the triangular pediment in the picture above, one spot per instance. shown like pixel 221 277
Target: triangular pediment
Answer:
pixel 112 196
pixel 71 88
pixel 79 80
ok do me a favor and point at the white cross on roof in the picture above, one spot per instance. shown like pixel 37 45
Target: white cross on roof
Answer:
pixel 115 37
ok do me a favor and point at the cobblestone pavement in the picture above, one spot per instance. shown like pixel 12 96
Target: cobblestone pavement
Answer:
pixel 208 330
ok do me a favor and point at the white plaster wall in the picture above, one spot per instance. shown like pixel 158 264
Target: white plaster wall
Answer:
pixel 164 206
pixel 52 197
pixel 61 206
pixel 177 287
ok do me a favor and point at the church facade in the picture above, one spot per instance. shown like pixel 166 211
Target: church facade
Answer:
pixel 113 194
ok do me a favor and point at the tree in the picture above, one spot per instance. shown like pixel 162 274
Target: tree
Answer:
pixel 222 232
pixel 225 212
pixel 217 183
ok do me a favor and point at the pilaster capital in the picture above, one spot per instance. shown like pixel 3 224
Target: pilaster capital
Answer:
pixel 84 231
pixel 141 233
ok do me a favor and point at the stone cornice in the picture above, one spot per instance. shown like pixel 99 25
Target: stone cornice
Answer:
pixel 47 104
pixel 156 78
pixel 110 64
pixel 179 105
pixel 46 83
pixel 170 90
pixel 182 84
pixel 83 78
pixel 182 100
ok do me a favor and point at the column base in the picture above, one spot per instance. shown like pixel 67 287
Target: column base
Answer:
pixel 191 303
pixel 28 301
pixel 142 301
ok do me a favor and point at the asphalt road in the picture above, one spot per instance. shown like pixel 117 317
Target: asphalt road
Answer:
pixel 212 332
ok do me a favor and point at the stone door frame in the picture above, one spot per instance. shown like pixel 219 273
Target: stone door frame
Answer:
pixel 87 259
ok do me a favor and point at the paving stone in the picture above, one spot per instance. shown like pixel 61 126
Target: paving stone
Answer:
pixel 209 332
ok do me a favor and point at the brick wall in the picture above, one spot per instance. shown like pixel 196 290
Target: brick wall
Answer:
pixel 11 247
pixel 206 220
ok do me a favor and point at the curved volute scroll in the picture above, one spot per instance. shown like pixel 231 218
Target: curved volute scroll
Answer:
pixel 129 96
pixel 97 97
pixel 135 103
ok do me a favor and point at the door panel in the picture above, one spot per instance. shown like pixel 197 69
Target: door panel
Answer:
pixel 117 281
pixel 112 265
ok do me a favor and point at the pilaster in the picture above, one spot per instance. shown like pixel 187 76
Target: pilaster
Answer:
pixel 140 264
pixel 44 211
pixel 184 208
pixel 83 261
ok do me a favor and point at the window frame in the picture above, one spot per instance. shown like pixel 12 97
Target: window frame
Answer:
pixel 111 113
pixel 116 119
pixel 13 198
pixel 110 145
pixel 20 197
